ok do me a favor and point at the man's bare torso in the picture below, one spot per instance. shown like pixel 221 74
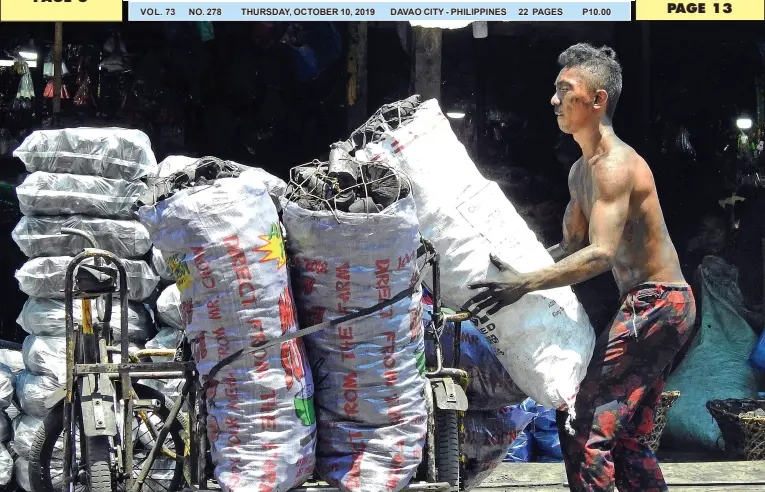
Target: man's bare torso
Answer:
pixel 646 252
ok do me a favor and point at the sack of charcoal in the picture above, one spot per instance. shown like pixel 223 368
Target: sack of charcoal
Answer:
pixel 219 230
pixel 352 237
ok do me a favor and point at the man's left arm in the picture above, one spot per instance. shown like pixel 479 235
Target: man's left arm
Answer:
pixel 607 220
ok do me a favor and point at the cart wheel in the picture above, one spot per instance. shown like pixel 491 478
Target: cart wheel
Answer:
pixel 97 464
pixel 447 448
pixel 46 453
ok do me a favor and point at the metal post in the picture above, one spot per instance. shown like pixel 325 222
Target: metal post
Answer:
pixel 57 49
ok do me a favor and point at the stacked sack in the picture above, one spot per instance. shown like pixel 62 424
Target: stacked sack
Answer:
pixel 352 250
pixel 168 303
pixel 220 235
pixel 87 179
pixel 7 381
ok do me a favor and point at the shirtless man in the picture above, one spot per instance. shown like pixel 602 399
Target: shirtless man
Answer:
pixel 613 222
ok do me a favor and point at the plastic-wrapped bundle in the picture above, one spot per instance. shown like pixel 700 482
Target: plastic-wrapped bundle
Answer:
pixel 5 427
pixel 160 266
pixel 68 194
pixel 545 340
pixel 489 387
pixel 174 163
pixel 169 307
pixel 21 473
pixel 6 466
pixel 40 236
pixel 225 247
pixel 33 389
pixel 45 356
pixel 109 152
pixel 45 277
pixel 12 359
pixel 25 428
pixel 485 438
pixel 7 383
pixel 370 408
pixel 47 317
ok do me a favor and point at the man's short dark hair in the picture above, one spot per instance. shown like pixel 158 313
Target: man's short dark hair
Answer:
pixel 601 65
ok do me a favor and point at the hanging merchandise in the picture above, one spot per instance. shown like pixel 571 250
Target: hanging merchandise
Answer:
pixel 48 68
pixel 116 60
pixel 26 91
pixel 84 96
pixel 50 90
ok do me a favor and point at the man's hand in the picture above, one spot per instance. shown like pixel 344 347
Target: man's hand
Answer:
pixel 507 289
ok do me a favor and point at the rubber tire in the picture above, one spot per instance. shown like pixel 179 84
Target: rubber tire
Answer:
pixel 447 448
pixel 98 465
pixel 53 425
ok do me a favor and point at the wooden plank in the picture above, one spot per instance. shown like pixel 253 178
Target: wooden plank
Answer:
pixel 514 475
pixel 517 474
pixel 693 488
pixel 356 100
pixel 426 62
pixel 714 473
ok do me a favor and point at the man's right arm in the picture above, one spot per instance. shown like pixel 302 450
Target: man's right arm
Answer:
pixel 574 232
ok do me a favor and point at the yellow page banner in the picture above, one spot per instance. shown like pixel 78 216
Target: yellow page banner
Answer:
pixel 60 10
pixel 724 10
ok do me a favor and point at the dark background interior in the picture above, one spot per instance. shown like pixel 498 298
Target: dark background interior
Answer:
pixel 245 96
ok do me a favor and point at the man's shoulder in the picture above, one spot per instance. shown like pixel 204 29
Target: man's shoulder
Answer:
pixel 616 170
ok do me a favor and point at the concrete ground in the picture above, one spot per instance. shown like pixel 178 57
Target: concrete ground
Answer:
pixel 728 476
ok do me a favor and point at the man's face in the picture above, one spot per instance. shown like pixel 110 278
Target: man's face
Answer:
pixel 573 101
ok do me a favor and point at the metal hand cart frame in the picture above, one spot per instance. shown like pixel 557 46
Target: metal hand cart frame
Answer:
pixel 90 395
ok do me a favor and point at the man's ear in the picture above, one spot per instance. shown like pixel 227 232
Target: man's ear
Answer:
pixel 600 99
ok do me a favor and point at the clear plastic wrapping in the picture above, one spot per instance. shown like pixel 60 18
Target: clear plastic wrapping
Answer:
pixel 109 152
pixel 45 277
pixel 44 193
pixel 41 236
pixel 47 317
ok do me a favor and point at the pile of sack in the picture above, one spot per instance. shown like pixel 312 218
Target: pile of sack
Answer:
pixel 219 233
pixel 352 236
pixel 7 383
pixel 87 179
